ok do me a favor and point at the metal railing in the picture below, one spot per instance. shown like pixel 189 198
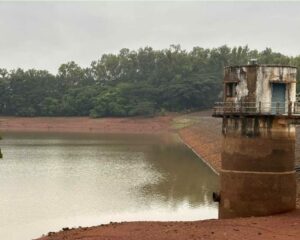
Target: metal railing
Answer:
pixel 257 108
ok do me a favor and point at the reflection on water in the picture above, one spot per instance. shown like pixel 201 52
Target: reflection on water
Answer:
pixel 185 177
pixel 48 181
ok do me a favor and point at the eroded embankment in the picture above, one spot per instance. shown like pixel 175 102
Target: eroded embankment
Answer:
pixel 86 125
pixel 203 136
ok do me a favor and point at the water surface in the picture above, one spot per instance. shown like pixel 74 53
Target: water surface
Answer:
pixel 49 181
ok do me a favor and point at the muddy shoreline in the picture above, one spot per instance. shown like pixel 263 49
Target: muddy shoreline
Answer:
pixel 201 133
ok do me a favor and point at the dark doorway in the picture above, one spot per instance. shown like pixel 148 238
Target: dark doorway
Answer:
pixel 278 98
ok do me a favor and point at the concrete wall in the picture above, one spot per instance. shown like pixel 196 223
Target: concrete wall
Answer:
pixel 254 83
pixel 267 75
pixel 257 172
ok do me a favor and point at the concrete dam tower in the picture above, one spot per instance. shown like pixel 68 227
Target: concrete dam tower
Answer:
pixel 258 146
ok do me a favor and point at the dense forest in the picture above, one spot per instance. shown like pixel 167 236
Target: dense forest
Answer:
pixel 130 83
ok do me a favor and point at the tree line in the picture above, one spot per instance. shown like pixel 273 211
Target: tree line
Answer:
pixel 130 83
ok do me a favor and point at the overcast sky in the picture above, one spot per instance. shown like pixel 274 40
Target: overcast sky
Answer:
pixel 45 34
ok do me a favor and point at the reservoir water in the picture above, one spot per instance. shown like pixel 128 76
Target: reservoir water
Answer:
pixel 49 181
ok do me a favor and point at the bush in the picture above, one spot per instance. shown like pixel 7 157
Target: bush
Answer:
pixel 145 108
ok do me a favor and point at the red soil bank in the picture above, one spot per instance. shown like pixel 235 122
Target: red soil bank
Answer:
pixel 85 124
pixel 285 227
pixel 204 138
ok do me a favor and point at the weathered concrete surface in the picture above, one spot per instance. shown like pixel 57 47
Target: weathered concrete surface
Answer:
pixel 258 154
pixel 205 138
pixel 245 194
pixel 258 144
pixel 254 82
pixel 257 176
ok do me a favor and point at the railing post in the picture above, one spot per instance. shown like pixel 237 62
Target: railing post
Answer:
pixel 277 107
pixel 259 107
pixel 241 108
pixel 294 107
pixel 290 108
